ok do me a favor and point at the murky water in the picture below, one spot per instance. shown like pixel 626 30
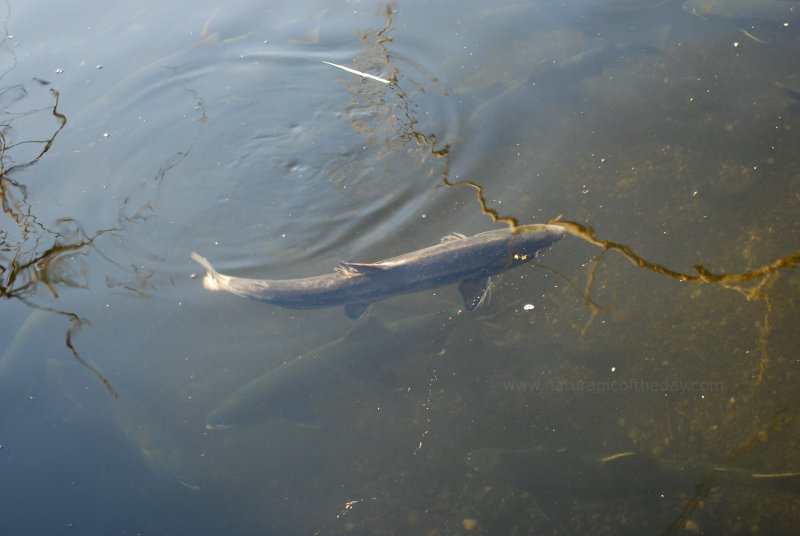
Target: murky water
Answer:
pixel 136 135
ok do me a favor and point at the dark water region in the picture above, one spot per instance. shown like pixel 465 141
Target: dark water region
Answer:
pixel 616 375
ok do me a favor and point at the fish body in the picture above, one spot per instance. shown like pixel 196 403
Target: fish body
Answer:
pixel 291 390
pixel 623 474
pixel 468 260
pixel 777 11
pixel 164 450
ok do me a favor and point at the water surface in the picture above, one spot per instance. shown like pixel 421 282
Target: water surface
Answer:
pixel 135 135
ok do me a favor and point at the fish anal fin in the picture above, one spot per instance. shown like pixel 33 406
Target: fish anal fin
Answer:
pixel 355 310
pixel 474 291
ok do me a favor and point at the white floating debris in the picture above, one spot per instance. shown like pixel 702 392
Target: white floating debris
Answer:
pixel 528 307
pixel 365 75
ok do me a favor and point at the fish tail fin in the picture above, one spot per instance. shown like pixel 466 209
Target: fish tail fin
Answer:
pixel 212 279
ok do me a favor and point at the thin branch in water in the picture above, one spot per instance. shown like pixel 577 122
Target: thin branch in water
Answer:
pixel 359 73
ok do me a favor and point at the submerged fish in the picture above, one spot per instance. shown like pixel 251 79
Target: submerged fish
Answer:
pixel 290 390
pixel 468 260
pixel 563 476
pixel 38 388
pixel 165 450
pixel 778 11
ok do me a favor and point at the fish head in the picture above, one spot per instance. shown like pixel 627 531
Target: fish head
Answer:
pixel 529 240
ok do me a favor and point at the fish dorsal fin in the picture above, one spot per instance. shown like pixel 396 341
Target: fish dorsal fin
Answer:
pixel 355 310
pixel 474 291
pixel 452 236
pixel 353 268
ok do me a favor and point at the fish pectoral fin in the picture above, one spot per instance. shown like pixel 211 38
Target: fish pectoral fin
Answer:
pixel 474 291
pixel 353 268
pixel 355 310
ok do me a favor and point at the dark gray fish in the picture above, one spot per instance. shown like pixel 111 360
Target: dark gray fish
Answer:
pixel 562 476
pixel 521 114
pixel 470 261
pixel 776 11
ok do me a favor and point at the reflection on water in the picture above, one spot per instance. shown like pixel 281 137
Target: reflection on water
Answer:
pixel 34 253
pixel 666 139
